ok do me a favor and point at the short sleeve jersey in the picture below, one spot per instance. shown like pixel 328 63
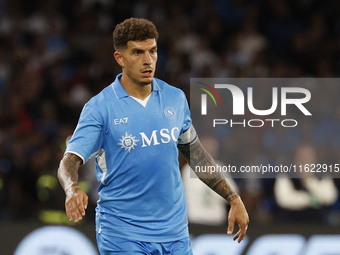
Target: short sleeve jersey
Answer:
pixel 141 194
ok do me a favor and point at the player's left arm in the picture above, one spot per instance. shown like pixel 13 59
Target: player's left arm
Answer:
pixel 196 155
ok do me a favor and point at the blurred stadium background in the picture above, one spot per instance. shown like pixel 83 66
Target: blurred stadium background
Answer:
pixel 56 54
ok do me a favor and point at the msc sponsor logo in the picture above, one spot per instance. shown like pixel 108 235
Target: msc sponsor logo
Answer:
pixel 129 142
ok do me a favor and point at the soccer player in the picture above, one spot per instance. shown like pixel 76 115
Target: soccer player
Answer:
pixel 134 129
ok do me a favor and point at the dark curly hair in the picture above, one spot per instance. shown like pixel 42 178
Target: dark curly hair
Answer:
pixel 133 29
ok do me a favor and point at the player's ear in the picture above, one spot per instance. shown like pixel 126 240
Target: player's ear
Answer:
pixel 119 58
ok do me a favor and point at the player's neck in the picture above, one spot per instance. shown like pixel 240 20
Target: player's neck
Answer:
pixel 134 89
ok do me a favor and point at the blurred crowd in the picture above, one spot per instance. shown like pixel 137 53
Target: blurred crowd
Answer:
pixel 56 54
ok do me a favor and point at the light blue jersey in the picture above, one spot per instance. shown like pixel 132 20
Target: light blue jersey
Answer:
pixel 135 147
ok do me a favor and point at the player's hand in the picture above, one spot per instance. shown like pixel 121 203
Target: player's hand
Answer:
pixel 76 203
pixel 238 214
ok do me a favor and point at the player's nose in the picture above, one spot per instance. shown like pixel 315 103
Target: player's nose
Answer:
pixel 147 60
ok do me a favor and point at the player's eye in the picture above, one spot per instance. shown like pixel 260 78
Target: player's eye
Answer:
pixel 137 52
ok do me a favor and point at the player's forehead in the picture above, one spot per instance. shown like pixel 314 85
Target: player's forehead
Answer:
pixel 143 45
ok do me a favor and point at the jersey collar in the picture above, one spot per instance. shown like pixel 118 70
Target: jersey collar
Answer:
pixel 120 92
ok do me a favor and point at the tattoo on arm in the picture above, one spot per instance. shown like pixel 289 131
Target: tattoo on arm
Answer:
pixel 68 171
pixel 200 157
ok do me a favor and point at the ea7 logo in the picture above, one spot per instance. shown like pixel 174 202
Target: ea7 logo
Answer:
pixel 239 100
pixel 119 121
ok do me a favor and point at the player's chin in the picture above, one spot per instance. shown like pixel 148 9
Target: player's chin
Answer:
pixel 146 80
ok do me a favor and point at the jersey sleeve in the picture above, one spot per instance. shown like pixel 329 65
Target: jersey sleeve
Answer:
pixel 186 117
pixel 87 137
pixel 188 137
pixel 188 134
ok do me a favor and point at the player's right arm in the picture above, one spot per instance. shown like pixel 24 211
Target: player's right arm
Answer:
pixel 195 154
pixel 76 199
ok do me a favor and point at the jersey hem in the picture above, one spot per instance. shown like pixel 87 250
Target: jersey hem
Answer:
pixel 76 153
pixel 152 240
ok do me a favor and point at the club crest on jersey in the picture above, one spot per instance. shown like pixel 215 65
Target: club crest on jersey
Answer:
pixel 128 142
pixel 170 112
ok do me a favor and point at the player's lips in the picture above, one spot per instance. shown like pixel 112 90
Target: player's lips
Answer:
pixel 147 72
